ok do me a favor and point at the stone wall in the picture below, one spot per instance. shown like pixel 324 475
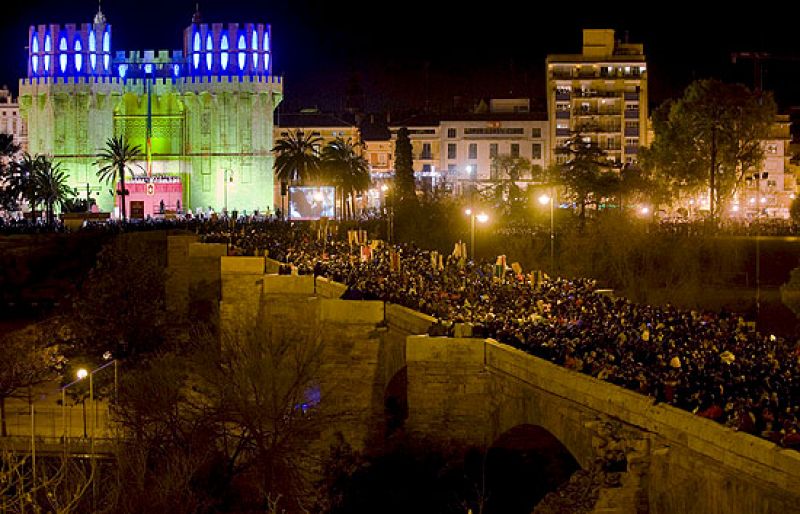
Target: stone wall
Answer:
pixel 471 391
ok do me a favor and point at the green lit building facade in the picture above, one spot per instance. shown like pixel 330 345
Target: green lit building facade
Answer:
pixel 203 116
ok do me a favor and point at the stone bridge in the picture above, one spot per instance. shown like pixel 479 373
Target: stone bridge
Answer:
pixel 479 392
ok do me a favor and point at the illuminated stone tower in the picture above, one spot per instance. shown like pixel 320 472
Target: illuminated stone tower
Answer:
pixel 202 115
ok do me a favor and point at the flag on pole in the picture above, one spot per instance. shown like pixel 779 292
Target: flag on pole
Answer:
pixel 500 267
pixel 517 270
pixel 366 253
pixel 149 130
pixel 394 261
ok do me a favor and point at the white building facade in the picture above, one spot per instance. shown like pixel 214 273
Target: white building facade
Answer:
pixel 458 150
pixel 11 120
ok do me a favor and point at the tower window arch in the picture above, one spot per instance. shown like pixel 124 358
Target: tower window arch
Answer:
pixel 78 55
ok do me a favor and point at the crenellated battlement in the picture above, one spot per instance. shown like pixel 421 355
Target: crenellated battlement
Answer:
pixel 156 81
pixel 221 50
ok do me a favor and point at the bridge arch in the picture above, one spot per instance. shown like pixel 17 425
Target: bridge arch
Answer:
pixel 518 403
pixel 523 464
pixel 395 402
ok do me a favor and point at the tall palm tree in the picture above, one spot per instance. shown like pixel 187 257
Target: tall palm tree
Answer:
pixel 51 186
pixel 8 149
pixel 22 180
pixel 297 158
pixel 114 161
pixel 347 169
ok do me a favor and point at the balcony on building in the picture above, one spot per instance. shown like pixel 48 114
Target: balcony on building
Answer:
pixel 632 114
pixel 631 132
pixel 562 115
pixel 425 156
pixel 562 95
pixel 631 96
pixel 631 150
pixel 562 132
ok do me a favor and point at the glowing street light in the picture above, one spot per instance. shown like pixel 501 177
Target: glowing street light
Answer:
pixel 735 208
pixel 545 199
pixel 82 373
pixel 481 217
pixel 384 188
pixel 644 211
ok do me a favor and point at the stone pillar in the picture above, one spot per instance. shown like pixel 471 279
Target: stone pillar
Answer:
pixel 448 390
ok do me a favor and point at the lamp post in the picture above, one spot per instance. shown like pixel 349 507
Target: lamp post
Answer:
pixel 80 375
pixel 544 200
pixel 227 179
pixel 389 213
pixel 473 216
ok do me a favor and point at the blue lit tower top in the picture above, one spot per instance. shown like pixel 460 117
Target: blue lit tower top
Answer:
pixel 70 50
pixel 227 49
pixel 232 50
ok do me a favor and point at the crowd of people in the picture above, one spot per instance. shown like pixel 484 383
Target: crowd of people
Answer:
pixel 711 364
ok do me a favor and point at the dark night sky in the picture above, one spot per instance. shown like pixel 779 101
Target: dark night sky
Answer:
pixel 405 51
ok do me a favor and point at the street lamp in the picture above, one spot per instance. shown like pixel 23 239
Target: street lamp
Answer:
pixel 544 199
pixel 481 217
pixel 227 178
pixel 81 375
pixel 389 213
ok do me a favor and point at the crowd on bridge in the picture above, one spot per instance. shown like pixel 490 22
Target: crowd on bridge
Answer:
pixel 709 363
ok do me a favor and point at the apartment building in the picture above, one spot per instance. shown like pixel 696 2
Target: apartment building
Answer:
pixel 600 94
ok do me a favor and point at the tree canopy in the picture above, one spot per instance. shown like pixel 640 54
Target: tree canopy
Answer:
pixel 344 165
pixel 585 172
pixel 115 160
pixel 297 157
pixel 404 167
pixel 716 126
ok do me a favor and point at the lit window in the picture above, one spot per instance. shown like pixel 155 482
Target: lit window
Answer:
pixel 266 62
pixel 176 70
pixel 254 48
pixel 242 46
pixel 209 49
pixel 224 55
pixel 62 58
pixel 92 50
pixel 34 52
pixel 123 70
pixel 148 68
pixel 266 40
pixel 78 56
pixel 107 49
pixel 196 49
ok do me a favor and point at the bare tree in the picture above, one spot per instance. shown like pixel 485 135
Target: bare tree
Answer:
pixel 26 360
pixel 55 484
pixel 240 412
